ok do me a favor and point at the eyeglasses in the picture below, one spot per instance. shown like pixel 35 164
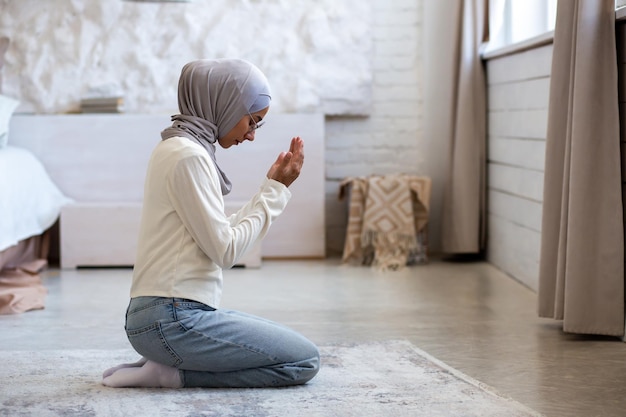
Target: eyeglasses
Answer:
pixel 253 124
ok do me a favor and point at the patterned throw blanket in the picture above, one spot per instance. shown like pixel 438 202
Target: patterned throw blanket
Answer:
pixel 387 220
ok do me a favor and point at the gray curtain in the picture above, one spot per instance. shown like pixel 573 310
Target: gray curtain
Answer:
pixel 581 277
pixel 463 212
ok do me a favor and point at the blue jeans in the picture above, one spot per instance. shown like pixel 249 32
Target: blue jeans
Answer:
pixel 219 348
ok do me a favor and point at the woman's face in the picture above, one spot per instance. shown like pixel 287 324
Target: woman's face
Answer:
pixel 244 130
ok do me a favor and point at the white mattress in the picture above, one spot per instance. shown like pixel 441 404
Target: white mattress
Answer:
pixel 29 201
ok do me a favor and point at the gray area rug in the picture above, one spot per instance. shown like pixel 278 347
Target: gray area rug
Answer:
pixel 382 379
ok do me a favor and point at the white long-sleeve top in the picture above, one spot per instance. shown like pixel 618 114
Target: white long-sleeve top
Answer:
pixel 185 239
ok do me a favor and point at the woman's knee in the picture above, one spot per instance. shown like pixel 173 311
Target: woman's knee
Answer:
pixel 311 372
pixel 309 368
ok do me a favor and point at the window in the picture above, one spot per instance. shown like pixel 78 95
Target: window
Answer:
pixel 513 21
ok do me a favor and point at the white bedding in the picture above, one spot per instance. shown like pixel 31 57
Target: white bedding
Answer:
pixel 29 201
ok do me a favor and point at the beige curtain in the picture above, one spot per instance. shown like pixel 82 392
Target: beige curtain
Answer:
pixel 581 277
pixel 463 212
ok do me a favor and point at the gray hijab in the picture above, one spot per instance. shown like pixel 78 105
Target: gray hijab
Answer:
pixel 213 96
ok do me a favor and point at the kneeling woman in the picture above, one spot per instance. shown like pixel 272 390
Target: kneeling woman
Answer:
pixel 185 241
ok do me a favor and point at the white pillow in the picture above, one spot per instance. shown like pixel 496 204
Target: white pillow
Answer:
pixel 7 107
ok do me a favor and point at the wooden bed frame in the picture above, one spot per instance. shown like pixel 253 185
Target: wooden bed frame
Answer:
pixel 100 160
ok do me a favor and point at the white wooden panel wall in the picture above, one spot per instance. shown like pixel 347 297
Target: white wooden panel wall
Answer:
pixel 518 94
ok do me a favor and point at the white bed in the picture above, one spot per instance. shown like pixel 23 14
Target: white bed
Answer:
pixel 31 202
pixel 30 205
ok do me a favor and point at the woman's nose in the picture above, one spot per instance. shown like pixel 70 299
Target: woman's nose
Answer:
pixel 249 136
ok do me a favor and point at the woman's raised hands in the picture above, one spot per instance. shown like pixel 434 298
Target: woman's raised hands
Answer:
pixel 288 164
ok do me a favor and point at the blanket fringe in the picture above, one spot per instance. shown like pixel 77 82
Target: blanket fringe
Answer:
pixel 387 251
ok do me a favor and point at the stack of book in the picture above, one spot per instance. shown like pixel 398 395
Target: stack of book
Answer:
pixel 102 105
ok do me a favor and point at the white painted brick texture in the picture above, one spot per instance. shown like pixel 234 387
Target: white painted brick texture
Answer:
pixel 390 140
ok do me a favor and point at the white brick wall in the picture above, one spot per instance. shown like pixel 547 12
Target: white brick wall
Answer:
pixel 390 140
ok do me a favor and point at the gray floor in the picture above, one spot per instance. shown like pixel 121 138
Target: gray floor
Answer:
pixel 468 315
